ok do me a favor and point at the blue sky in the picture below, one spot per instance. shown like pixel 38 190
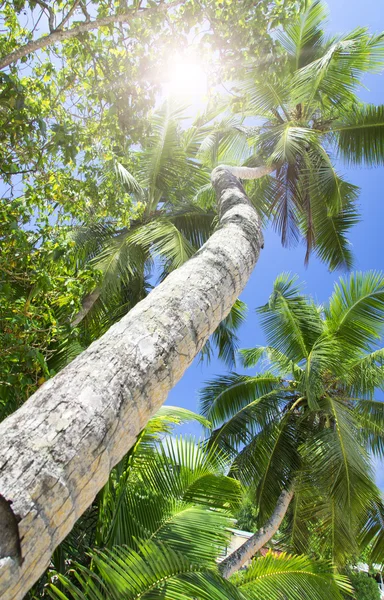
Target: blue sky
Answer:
pixel 367 237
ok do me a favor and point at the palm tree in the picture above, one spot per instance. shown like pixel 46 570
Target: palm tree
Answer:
pixel 308 118
pixel 162 522
pixel 166 223
pixel 88 416
pixel 173 203
pixel 305 429
pixel 112 389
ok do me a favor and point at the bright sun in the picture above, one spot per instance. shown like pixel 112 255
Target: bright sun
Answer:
pixel 186 80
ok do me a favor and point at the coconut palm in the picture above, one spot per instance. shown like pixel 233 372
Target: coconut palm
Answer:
pixel 174 218
pixel 124 377
pixel 307 427
pixel 167 226
pixel 163 520
pixel 308 118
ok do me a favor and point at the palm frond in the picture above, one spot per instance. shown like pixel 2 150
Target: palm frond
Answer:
pixel 264 98
pixel 336 74
pixel 305 35
pixel 291 577
pixel 164 239
pixel 223 397
pixel 372 532
pixel 331 244
pixel 369 414
pixel 340 462
pixel 355 313
pixel 366 373
pixel 274 359
pixel 154 571
pixel 185 470
pixel 195 223
pixel 131 185
pixel 360 135
pixel 276 458
pixel 291 324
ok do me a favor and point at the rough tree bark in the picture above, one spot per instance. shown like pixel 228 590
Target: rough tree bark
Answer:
pixel 239 557
pixel 57 450
pixel 59 35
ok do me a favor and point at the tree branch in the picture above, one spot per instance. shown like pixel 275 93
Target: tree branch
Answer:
pixel 51 14
pixel 62 35
pixel 68 15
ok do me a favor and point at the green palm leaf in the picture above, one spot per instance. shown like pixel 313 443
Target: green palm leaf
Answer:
pixel 224 396
pixel 291 324
pixel 302 38
pixel 155 571
pixel 291 577
pixel 356 310
pixel 164 239
pixel 360 134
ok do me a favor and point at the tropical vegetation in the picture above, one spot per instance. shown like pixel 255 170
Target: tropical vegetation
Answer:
pixel 309 422
pixel 159 526
pixel 107 191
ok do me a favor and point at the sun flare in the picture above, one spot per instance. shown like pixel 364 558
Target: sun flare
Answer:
pixel 186 80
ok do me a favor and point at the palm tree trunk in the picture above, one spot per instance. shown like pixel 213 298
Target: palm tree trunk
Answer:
pixel 239 557
pixel 57 450
pixel 87 304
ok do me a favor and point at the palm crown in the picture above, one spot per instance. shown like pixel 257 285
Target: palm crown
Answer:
pixel 311 420
pixel 162 520
pixel 172 218
pixel 307 117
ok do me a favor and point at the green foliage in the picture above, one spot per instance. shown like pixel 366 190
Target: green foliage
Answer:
pixel 309 420
pixel 160 523
pixel 38 296
pixel 156 570
pixel 365 587
pixel 307 109
pixel 299 577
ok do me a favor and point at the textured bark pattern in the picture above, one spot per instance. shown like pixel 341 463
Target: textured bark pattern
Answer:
pixel 249 172
pixel 57 450
pixel 239 557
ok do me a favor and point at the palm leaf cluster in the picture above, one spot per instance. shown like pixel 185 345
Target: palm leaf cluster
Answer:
pixel 311 420
pixel 168 227
pixel 305 116
pixel 173 217
pixel 162 521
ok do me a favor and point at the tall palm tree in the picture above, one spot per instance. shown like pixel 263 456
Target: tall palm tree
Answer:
pixel 174 217
pixel 166 224
pixel 162 522
pixel 117 384
pixel 306 428
pixel 307 118
pixel 88 416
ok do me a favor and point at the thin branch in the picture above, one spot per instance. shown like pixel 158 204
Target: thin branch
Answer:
pixel 68 15
pixel 86 14
pixel 60 35
pixel 51 14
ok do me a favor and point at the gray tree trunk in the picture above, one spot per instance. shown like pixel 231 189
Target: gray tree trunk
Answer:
pixel 239 557
pixel 57 450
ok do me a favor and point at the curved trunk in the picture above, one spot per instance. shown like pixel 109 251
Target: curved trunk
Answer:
pixel 239 557
pixel 57 450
